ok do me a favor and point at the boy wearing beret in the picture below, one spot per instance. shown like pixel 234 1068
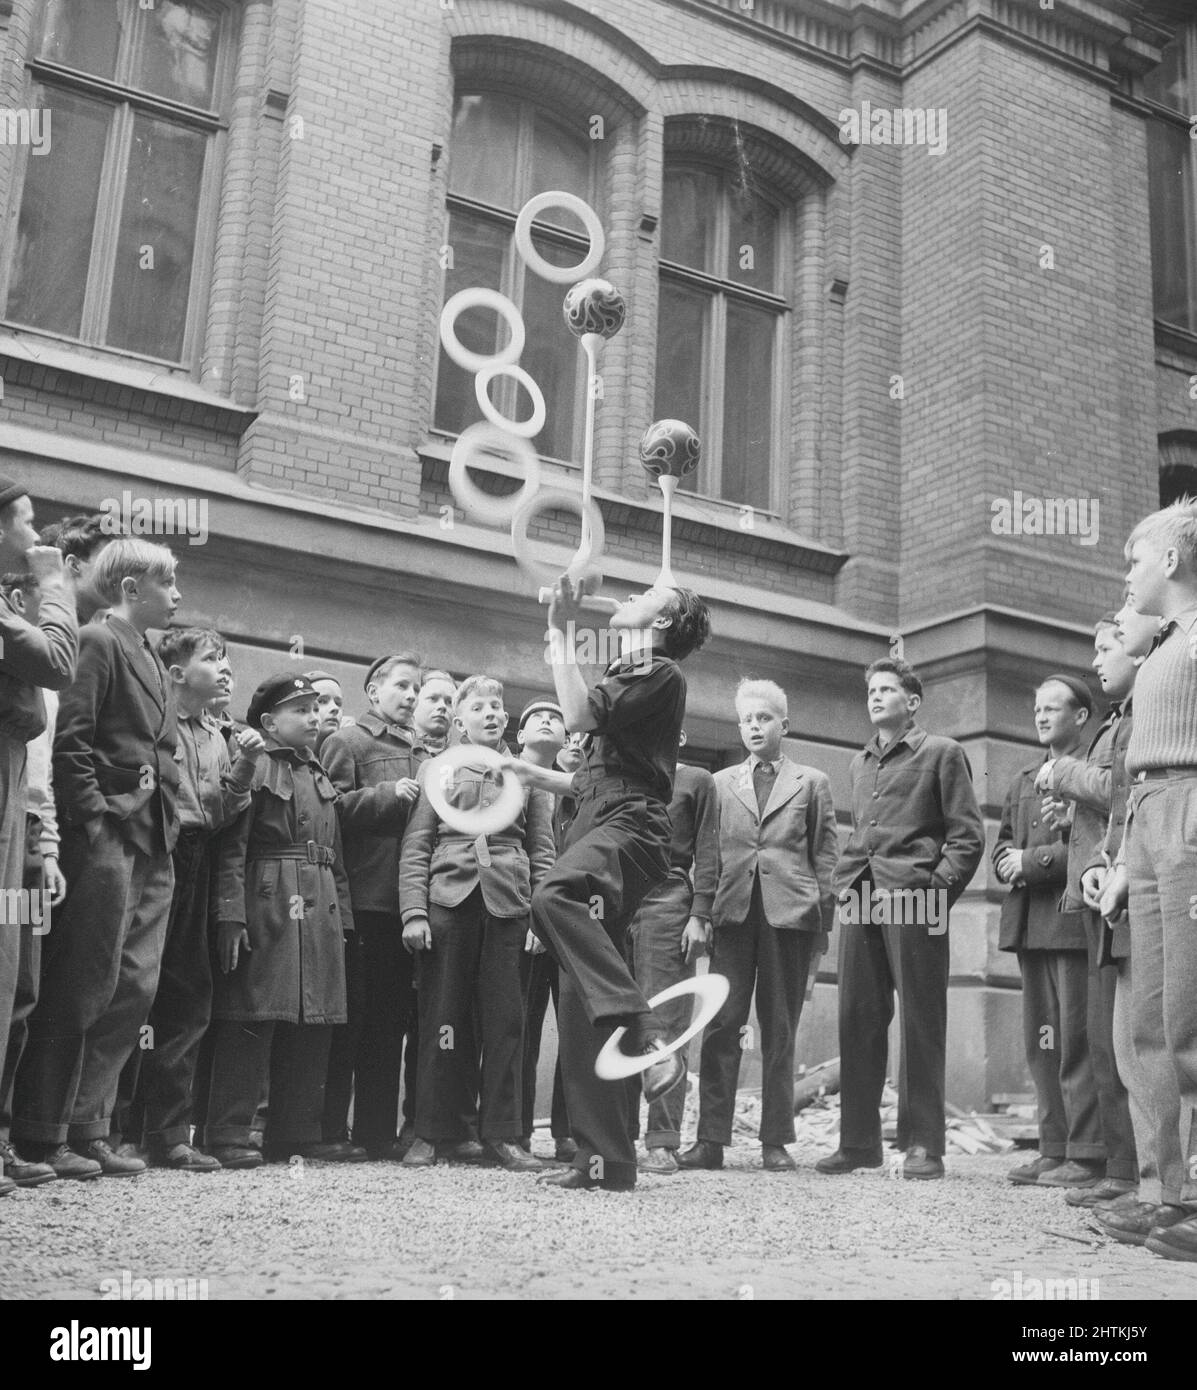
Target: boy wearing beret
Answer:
pixel 282 910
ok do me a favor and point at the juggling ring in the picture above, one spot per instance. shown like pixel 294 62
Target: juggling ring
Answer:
pixel 524 428
pixel 483 507
pixel 559 274
pixel 478 297
pixel 711 990
pixel 584 563
pixel 488 820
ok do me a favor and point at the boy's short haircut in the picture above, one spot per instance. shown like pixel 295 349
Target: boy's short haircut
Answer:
pixel 1106 620
pixel 129 557
pixel 905 672
pixel 80 536
pixel 1170 526
pixel 438 676
pixel 485 686
pixel 383 667
pixel 691 626
pixel 768 691
pixel 180 644
pixel 26 582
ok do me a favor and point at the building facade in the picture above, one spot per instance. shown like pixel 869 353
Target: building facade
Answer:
pixel 923 276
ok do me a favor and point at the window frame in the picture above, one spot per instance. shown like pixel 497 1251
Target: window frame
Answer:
pixel 709 476
pixel 125 103
pixel 1183 121
pixel 515 273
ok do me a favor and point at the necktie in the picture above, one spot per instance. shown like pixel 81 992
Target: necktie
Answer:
pixel 763 777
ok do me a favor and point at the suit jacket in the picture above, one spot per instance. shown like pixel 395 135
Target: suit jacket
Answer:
pixel 1087 782
pixel 440 865
pixel 1031 916
pixel 792 848
pixel 114 752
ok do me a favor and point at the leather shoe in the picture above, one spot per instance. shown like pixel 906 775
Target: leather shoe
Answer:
pixel 574 1180
pixel 464 1151
pixel 131 1150
pixel 1177 1240
pixel 774 1159
pixel 660 1160
pixel 236 1155
pixel 705 1154
pixel 422 1154
pixel 1133 1223
pixel 512 1157
pixel 184 1158
pixel 1028 1174
pixel 848 1160
pixel 112 1164
pixel 565 1151
pixel 324 1151
pixel 1074 1172
pixel 22 1172
pixel 391 1152
pixel 918 1163
pixel 68 1164
pixel 6 1186
pixel 1105 1191
pixel 664 1075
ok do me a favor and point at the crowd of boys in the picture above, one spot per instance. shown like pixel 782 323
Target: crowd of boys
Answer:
pixel 266 941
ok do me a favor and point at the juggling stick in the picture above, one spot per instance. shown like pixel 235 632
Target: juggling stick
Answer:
pixel 711 990
pixel 438 776
pixel 668 485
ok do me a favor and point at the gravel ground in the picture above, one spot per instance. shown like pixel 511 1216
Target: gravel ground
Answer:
pixel 378 1230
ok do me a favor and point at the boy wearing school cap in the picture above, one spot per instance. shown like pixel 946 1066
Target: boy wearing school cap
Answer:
pixel 282 907
pixel 1032 855
pixel 373 764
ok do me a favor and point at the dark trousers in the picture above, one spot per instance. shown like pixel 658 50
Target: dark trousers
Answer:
pixel 875 961
pixel 28 970
pixel 293 1056
pixel 540 980
pixel 1113 1106
pixel 617 848
pixel 100 966
pixel 367 1053
pixel 1055 993
pixel 471 1025
pixel 658 963
pixel 154 1097
pixel 776 963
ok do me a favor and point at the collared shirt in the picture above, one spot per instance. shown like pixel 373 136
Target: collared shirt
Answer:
pixel 755 762
pixel 211 792
pixel 637 720
pixel 1165 726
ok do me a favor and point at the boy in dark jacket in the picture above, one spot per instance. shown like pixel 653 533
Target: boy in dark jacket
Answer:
pixel 282 909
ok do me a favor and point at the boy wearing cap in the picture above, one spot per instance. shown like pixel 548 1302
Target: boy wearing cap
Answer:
pixel 1038 922
pixel 465 901
pixel 373 764
pixel 282 908
pixel 116 783
pixel 541 737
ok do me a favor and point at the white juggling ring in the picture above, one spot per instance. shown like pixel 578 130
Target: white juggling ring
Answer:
pixel 711 990
pixel 471 450
pixel 584 562
pixel 438 774
pixel 479 297
pixel 525 428
pixel 559 274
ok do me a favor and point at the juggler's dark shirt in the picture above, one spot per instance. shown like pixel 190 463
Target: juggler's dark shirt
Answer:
pixel 637 710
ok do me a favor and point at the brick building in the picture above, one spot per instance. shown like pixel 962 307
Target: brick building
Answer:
pixel 222 273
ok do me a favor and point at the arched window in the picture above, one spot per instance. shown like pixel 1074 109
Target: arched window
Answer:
pixel 722 317
pixel 114 209
pixel 1172 89
pixel 503 151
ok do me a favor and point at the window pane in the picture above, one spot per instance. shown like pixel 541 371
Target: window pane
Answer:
pixel 748 406
pixel 83 34
pixel 550 356
pixel 1172 202
pixel 688 217
pixel 752 241
pixel 178 51
pixel 152 278
pixel 482 152
pixel 57 219
pixel 681 351
pixel 1167 83
pixel 560 160
pixel 478 252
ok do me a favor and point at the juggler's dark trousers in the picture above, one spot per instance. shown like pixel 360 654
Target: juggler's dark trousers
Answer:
pixel 616 850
